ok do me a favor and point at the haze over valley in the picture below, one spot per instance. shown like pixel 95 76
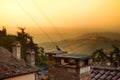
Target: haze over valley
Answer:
pixel 62 20
pixel 86 43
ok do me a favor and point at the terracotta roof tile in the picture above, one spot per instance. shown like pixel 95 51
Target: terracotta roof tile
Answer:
pixel 97 76
pixel 92 75
pixel 103 77
pixel 10 66
pixel 115 77
pixel 103 73
pixel 118 73
pixel 108 77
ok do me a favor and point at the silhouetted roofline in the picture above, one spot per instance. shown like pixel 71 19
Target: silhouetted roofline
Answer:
pixel 56 52
pixel 73 56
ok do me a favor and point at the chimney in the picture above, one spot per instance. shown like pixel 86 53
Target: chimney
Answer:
pixel 30 57
pixel 16 50
pixel 51 61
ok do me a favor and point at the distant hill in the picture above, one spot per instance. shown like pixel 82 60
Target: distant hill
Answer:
pixel 87 43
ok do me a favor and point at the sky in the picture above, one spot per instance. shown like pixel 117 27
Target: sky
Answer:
pixel 60 14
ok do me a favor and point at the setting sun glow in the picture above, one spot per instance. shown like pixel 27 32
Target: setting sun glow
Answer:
pixel 63 13
pixel 88 14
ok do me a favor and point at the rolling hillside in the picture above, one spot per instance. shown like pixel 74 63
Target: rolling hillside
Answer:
pixel 87 43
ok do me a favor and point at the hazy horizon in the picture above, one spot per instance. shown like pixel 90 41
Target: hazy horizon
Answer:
pixel 58 33
pixel 60 17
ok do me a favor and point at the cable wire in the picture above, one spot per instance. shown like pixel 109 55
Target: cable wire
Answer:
pixel 47 18
pixel 30 16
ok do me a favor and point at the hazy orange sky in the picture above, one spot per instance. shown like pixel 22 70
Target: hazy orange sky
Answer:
pixel 103 14
pixel 63 13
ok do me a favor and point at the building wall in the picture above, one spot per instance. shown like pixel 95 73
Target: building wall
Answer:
pixel 17 52
pixel 32 60
pixel 66 73
pixel 28 57
pixel 24 77
pixel 85 73
pixel 84 69
pixel 85 76
pixel 14 51
pixel 51 71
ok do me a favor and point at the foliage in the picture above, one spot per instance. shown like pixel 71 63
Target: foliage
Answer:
pixel 115 54
pixel 7 41
pixel 26 41
pixel 100 55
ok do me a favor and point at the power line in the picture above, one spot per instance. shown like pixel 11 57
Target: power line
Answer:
pixel 47 18
pixel 30 16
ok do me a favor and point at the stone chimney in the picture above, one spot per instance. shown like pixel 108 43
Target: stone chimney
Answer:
pixel 51 61
pixel 30 57
pixel 16 50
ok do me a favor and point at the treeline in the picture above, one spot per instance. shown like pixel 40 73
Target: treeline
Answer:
pixel 113 57
pixel 26 41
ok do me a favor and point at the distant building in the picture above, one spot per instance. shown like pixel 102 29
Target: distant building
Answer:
pixel 12 67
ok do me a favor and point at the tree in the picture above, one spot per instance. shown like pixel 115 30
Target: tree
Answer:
pixel 115 54
pixel 24 39
pixel 113 57
pixel 27 43
pixel 3 32
pixel 99 56
pixel 7 41
pixel 41 58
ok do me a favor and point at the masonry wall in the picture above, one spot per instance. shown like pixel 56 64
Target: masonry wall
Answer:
pixel 85 76
pixel 85 73
pixel 28 57
pixel 51 63
pixel 66 73
pixel 17 52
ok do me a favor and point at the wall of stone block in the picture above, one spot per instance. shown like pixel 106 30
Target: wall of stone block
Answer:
pixel 64 73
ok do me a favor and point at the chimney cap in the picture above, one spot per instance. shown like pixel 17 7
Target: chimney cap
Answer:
pixel 56 52
pixel 30 51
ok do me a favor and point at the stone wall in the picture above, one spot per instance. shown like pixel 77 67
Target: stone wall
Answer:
pixel 66 73
pixel 16 50
pixel 51 71
pixel 85 76
pixel 84 69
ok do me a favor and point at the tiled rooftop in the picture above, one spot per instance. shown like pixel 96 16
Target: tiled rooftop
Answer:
pixel 10 66
pixel 104 73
